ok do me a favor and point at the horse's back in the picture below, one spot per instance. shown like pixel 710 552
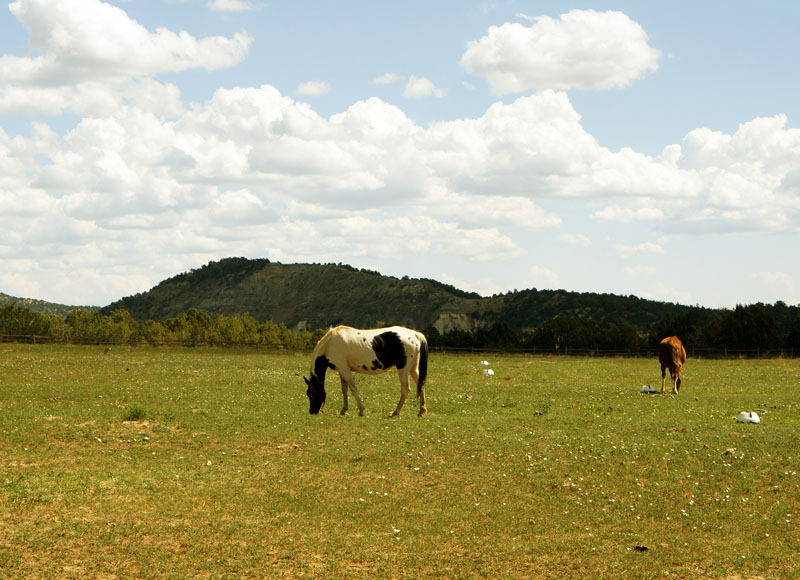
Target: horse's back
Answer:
pixel 671 352
pixel 374 350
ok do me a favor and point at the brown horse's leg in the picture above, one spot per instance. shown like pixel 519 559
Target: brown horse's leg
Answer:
pixel 663 377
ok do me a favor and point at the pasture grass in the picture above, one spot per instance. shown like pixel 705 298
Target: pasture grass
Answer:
pixel 204 463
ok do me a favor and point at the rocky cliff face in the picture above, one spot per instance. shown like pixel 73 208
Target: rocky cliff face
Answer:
pixel 447 321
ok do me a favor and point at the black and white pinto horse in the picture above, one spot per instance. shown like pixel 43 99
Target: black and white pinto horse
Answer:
pixel 348 350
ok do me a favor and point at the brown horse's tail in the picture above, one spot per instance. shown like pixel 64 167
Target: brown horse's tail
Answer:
pixel 423 364
pixel 677 359
pixel 671 352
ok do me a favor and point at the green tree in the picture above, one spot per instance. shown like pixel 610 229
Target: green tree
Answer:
pixel 16 320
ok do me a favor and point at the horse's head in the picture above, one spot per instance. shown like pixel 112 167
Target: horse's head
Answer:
pixel 316 394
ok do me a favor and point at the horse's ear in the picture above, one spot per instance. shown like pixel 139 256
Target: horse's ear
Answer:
pixel 307 381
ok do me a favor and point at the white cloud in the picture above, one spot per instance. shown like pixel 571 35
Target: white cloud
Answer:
pixel 576 240
pixel 387 79
pixel 421 88
pixel 627 214
pixel 230 6
pixel 582 49
pixel 92 98
pixel 640 271
pixel 627 251
pixel 314 88
pixel 488 211
pixel 775 280
pixel 542 277
pixel 89 40
pixel 254 172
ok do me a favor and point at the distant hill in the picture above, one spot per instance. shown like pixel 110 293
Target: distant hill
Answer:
pixel 317 296
pixel 41 306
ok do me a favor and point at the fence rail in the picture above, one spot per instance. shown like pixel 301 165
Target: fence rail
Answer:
pixel 709 353
pixel 92 341
pixel 729 353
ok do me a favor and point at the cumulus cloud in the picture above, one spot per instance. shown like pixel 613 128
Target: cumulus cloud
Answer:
pixel 387 79
pixel 629 250
pixel 581 49
pixel 495 211
pixel 421 88
pixel 314 88
pixel 251 171
pixel 575 240
pixel 640 271
pixel 89 40
pixel 230 6
pixel 542 277
pixel 776 280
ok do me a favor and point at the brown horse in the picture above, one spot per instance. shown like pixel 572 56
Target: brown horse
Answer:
pixel 671 355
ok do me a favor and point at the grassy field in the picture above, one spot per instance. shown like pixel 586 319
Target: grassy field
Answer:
pixel 181 463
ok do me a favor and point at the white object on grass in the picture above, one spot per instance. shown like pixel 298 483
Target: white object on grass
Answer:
pixel 748 417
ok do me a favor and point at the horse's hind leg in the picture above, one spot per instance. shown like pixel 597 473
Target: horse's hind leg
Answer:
pixel 663 378
pixel 422 408
pixel 403 393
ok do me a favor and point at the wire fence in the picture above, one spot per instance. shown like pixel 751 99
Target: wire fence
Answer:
pixel 700 353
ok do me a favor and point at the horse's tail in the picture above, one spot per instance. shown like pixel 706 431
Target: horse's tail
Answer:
pixel 671 352
pixel 423 363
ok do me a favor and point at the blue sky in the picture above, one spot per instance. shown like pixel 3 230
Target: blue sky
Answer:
pixel 625 147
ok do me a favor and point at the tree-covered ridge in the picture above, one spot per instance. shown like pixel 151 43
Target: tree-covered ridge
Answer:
pixel 41 306
pixel 298 295
pixel 237 300
pixel 320 295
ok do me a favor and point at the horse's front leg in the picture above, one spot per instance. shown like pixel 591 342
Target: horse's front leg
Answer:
pixel 403 393
pixel 349 381
pixel 345 406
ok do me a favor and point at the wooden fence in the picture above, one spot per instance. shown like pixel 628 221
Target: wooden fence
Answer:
pixel 709 353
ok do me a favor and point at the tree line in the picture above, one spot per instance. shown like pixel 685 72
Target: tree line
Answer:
pixel 757 329
pixel 193 328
